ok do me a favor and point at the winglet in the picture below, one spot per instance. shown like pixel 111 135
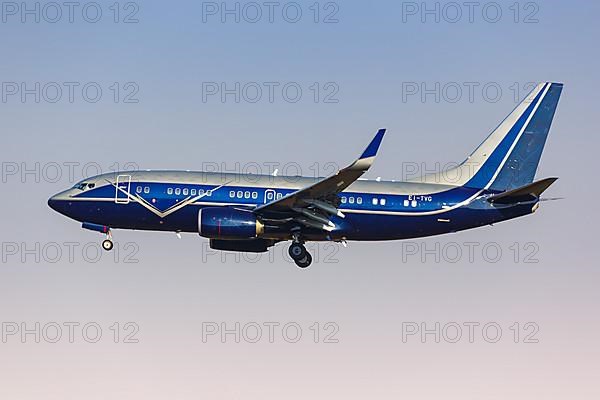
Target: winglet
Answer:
pixel 371 150
pixel 368 156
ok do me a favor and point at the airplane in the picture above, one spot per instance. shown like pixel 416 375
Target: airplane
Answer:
pixel 251 213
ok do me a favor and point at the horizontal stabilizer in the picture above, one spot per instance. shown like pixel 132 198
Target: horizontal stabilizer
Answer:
pixel 525 193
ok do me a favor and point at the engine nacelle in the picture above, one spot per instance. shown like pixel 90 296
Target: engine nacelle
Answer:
pixel 228 223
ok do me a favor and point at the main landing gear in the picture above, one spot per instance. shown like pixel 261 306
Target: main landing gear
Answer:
pixel 299 254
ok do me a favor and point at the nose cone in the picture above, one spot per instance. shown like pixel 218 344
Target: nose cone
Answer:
pixel 56 204
pixel 59 202
pixel 53 203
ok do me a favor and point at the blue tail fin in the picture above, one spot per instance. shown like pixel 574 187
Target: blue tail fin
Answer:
pixel 521 165
pixel 509 156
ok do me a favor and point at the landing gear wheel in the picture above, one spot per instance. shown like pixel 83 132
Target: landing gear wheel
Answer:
pixel 297 251
pixel 107 244
pixel 305 261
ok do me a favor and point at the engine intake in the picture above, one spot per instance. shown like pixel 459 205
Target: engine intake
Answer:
pixel 228 223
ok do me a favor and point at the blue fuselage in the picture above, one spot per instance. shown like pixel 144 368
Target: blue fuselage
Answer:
pixel 170 201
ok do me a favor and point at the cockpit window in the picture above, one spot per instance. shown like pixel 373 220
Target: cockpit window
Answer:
pixel 84 185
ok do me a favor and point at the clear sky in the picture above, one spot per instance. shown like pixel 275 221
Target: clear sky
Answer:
pixel 299 86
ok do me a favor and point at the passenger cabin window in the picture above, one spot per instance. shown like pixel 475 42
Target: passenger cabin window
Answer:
pixel 382 202
pixel 169 190
pixel 407 203
pixel 138 189
pixel 177 191
pixel 186 191
pixel 146 189
pixel 193 192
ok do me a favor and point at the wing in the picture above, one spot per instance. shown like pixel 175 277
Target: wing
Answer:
pixel 312 205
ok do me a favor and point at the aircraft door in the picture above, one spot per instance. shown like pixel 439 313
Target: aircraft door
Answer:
pixel 269 196
pixel 122 188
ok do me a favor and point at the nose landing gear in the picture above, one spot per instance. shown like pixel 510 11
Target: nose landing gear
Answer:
pixel 107 244
pixel 299 254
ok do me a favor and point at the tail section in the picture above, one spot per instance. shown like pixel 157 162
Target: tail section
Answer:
pixel 521 165
pixel 509 157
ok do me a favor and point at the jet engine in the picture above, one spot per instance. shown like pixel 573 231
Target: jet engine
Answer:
pixel 228 223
